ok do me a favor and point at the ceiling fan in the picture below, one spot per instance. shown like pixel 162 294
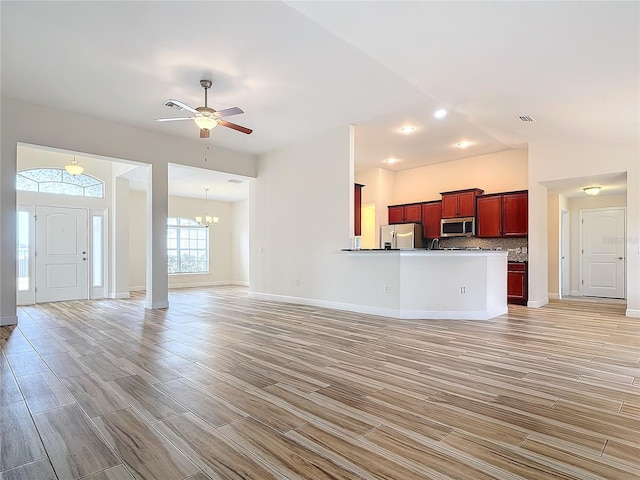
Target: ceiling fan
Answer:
pixel 204 117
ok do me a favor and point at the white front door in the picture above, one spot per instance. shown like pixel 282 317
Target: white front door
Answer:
pixel 603 253
pixel 61 254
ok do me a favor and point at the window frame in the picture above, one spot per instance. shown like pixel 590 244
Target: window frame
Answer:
pixel 190 231
pixel 88 182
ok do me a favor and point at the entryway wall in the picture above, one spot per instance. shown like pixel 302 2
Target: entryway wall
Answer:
pixel 556 203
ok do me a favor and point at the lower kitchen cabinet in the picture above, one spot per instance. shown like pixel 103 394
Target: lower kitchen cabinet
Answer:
pixel 517 283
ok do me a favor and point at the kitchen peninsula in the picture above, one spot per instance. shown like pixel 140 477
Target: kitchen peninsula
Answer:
pixel 436 284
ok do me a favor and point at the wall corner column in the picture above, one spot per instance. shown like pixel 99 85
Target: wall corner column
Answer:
pixel 157 213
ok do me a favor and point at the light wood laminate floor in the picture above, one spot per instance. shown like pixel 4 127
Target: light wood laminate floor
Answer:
pixel 223 387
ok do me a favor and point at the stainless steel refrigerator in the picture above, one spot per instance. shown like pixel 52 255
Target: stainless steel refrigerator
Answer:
pixel 403 236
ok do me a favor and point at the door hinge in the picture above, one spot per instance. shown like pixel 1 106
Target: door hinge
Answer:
pixel 35 254
pixel 582 281
pixel 35 217
pixel 35 289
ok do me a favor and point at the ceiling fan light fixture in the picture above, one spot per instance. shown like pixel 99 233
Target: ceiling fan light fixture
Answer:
pixel 74 168
pixel 205 122
pixel 592 190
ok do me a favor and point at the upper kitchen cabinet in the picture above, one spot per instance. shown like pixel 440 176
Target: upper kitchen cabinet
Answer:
pixel 461 203
pixel 357 214
pixel 502 215
pixel 411 213
pixel 515 214
pixel 431 215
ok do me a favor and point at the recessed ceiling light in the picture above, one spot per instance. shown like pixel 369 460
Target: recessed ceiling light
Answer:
pixel 464 144
pixel 440 113
pixel 390 160
pixel 407 129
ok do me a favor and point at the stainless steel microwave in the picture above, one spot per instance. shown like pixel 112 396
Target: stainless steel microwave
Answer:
pixel 458 227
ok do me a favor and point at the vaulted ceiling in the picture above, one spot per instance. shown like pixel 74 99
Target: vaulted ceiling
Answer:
pixel 300 68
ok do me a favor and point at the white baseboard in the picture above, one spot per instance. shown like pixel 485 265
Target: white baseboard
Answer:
pixel 8 320
pixel 537 303
pixel 575 293
pixel 383 312
pixel 632 313
pixel 155 305
pixel 216 283
pixel 120 295
pixel 555 296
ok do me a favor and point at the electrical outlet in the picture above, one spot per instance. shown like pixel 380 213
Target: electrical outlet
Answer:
pixel 463 289
pixel 386 289
pixel 297 282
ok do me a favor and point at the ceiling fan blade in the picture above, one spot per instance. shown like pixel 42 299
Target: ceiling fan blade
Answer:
pixel 227 112
pixel 239 128
pixel 180 105
pixel 204 133
pixel 173 119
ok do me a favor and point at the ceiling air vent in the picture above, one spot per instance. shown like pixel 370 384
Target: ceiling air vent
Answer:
pixel 526 118
pixel 233 180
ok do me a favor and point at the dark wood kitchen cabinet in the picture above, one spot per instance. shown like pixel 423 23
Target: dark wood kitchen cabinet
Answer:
pixel 517 283
pixel 515 214
pixel 502 215
pixel 461 203
pixel 357 205
pixel 410 213
pixel 431 215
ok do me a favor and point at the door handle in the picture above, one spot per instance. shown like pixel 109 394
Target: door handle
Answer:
pixel 84 253
pixel 620 258
pixel 84 259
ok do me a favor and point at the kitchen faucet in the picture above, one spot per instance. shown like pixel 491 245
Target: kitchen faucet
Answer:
pixel 435 244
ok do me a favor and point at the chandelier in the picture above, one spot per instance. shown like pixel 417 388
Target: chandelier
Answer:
pixel 206 220
pixel 74 168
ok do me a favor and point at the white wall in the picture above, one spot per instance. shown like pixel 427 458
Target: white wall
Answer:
pixel 551 162
pixel 302 218
pixel 240 243
pixel 553 246
pixel 36 125
pixel 495 172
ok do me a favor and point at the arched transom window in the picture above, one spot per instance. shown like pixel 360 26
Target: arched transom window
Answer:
pixel 58 180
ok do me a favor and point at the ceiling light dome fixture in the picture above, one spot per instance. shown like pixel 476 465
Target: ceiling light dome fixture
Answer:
pixel 440 113
pixel 74 168
pixel 592 190
pixel 206 120
pixel 463 144
pixel 408 129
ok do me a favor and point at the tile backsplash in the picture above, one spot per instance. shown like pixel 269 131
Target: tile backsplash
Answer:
pixel 517 247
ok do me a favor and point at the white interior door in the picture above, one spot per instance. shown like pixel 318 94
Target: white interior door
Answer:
pixel 603 253
pixel 61 254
